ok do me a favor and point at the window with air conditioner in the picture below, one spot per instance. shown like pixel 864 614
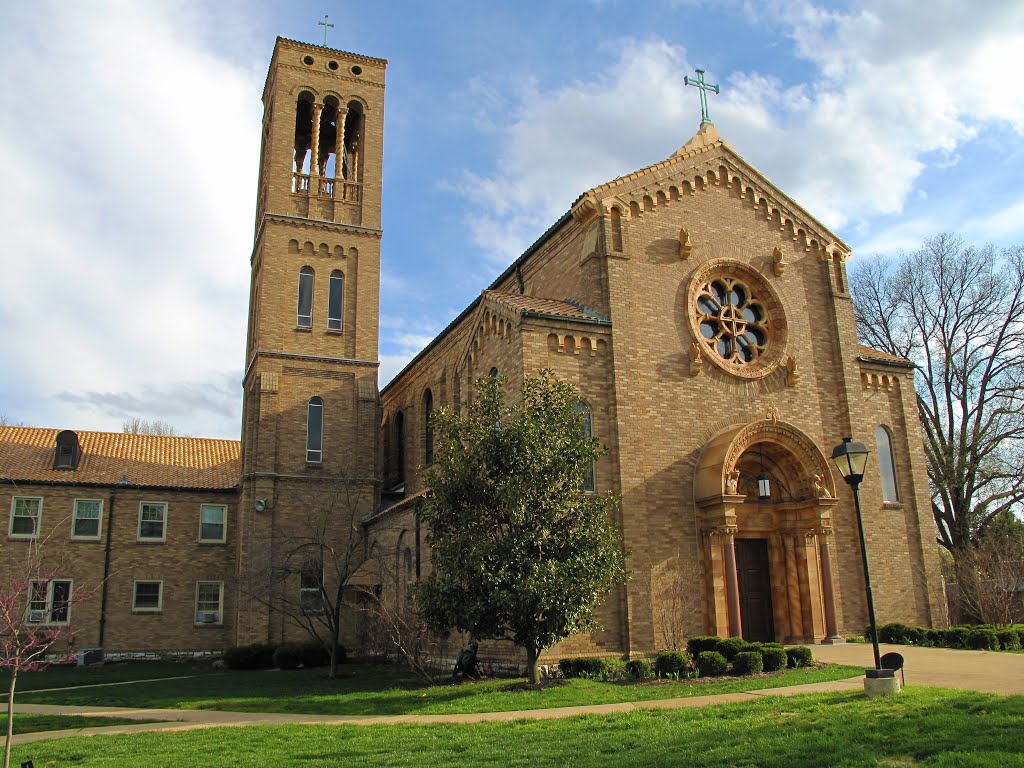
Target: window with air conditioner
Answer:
pixel 49 602
pixel 209 602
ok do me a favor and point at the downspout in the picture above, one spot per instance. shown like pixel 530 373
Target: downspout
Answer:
pixel 106 570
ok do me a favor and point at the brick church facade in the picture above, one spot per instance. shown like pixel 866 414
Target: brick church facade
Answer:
pixel 703 315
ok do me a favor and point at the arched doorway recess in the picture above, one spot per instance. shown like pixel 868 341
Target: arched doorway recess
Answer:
pixel 766 549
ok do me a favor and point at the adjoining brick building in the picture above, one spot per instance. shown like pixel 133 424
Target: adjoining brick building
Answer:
pixel 703 315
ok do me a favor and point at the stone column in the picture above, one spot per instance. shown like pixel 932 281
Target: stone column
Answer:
pixel 339 147
pixel 831 630
pixel 314 160
pixel 732 587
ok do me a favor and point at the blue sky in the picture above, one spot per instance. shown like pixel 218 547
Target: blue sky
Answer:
pixel 129 140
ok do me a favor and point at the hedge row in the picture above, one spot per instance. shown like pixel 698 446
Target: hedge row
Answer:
pixel 286 656
pixel 978 637
pixel 705 657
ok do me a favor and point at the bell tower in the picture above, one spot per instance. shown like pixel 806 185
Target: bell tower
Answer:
pixel 310 413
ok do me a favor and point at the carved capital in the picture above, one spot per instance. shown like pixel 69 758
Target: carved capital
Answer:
pixel 820 491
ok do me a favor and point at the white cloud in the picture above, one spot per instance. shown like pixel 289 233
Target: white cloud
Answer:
pixel 124 230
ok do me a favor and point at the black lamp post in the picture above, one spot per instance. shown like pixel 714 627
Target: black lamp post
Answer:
pixel 850 458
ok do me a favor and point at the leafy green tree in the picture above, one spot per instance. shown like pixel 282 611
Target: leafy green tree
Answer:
pixel 519 550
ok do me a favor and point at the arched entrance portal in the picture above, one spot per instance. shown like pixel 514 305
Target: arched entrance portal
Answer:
pixel 764 494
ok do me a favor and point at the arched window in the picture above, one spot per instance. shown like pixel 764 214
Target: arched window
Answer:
pixel 886 465
pixel 616 229
pixel 400 446
pixel 587 427
pixel 406 572
pixel 315 430
pixel 335 300
pixel 305 310
pixel 428 427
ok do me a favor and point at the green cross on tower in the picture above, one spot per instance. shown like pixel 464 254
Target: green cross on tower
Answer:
pixel 704 88
pixel 325 25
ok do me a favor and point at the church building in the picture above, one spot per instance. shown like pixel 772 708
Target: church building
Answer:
pixel 703 315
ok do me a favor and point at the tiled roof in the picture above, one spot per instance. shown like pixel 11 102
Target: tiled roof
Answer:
pixel 26 455
pixel 534 305
pixel 870 353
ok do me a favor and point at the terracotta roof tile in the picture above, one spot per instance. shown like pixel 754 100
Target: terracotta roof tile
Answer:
pixel 534 305
pixel 870 353
pixel 26 455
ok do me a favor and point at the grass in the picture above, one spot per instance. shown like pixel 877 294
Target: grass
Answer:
pixel 923 727
pixel 62 676
pixel 31 723
pixel 380 690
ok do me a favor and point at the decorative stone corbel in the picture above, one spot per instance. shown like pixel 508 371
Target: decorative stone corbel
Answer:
pixel 793 375
pixel 820 491
pixel 779 261
pixel 732 482
pixel 685 247
pixel 773 412
pixel 696 359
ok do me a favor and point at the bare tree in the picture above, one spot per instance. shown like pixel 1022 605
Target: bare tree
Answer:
pixel 308 579
pixel 677 599
pixel 394 626
pixel 140 426
pixel 36 614
pixel 957 312
pixel 989 575
pixel 6 421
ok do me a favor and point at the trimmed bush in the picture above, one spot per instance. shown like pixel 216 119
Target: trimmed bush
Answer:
pixel 711 664
pixel 955 637
pixel 1009 639
pixel 640 669
pixel 671 663
pixel 583 667
pixel 774 659
pixel 799 656
pixel 702 643
pixel 288 656
pixel 255 656
pixel 934 638
pixel 730 646
pixel 747 663
pixel 900 634
pixel 982 640
pixel 315 655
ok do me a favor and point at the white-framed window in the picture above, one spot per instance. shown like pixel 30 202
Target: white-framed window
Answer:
pixel 87 519
pixel 209 602
pixel 311 585
pixel 147 596
pixel 304 313
pixel 49 602
pixel 213 523
pixel 153 521
pixel 314 431
pixel 335 300
pixel 26 512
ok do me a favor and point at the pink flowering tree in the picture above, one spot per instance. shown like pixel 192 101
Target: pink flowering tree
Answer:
pixel 36 604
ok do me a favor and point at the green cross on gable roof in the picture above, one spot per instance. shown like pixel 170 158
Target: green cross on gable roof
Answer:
pixel 704 88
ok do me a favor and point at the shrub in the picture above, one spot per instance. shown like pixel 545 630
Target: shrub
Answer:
pixel 314 654
pixel 934 638
pixel 255 656
pixel 747 663
pixel 702 643
pixel 799 656
pixel 900 634
pixel 731 646
pixel 955 637
pixel 982 640
pixel 583 667
pixel 711 663
pixel 640 669
pixel 671 663
pixel 774 659
pixel 1009 639
pixel 288 656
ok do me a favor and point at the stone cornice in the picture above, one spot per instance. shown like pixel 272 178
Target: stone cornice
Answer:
pixel 307 358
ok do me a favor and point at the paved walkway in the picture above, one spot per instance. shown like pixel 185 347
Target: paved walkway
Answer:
pixel 1001 673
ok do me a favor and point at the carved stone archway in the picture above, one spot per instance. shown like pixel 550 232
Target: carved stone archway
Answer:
pixel 795 523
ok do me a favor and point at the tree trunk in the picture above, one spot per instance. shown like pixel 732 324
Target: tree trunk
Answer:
pixel 10 717
pixel 532 667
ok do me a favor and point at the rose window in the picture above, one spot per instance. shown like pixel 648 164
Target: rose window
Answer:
pixel 733 321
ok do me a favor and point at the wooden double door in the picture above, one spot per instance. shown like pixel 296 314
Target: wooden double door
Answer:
pixel 754 581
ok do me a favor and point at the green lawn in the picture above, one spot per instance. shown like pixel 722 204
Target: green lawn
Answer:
pixel 26 723
pixel 921 727
pixel 61 676
pixel 380 690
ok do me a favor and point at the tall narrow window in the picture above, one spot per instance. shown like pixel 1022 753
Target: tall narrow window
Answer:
pixel 305 310
pixel 616 229
pixel 886 465
pixel 400 446
pixel 315 430
pixel 311 585
pixel 587 428
pixel 428 427
pixel 335 300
